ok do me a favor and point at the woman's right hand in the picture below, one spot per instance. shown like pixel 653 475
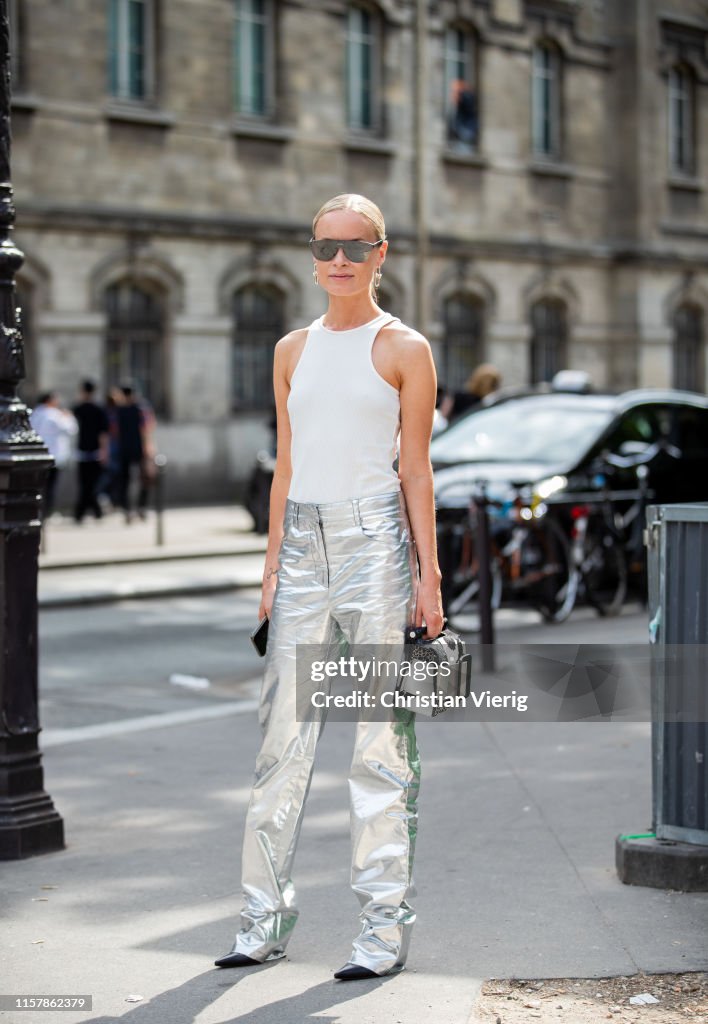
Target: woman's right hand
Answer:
pixel 267 595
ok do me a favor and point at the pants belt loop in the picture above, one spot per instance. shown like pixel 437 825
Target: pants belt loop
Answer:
pixel 357 511
pixel 297 513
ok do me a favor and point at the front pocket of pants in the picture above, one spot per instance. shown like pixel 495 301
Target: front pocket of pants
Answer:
pixel 381 528
pixel 297 543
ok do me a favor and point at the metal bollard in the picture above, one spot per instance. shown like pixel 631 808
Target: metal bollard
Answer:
pixel 160 464
pixel 486 613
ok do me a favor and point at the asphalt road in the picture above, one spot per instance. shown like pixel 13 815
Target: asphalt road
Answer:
pixel 107 663
pixel 152 780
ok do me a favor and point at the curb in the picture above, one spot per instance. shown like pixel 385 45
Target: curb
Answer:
pixel 138 559
pixel 99 597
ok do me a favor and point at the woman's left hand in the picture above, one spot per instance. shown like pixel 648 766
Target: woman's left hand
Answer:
pixel 429 609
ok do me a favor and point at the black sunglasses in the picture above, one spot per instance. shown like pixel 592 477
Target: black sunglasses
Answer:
pixel 355 250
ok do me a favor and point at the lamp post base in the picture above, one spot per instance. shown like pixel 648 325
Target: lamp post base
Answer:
pixel 29 822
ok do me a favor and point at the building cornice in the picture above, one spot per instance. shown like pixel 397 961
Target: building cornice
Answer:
pixel 141 223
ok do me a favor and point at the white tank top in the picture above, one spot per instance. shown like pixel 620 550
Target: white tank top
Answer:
pixel 344 417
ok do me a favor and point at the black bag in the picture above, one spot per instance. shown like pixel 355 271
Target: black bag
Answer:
pixel 438 669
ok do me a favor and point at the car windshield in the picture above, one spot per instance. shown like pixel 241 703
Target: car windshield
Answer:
pixel 538 429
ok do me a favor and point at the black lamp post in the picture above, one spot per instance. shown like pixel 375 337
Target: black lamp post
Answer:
pixel 29 822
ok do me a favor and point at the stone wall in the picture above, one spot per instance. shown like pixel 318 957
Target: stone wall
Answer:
pixel 179 193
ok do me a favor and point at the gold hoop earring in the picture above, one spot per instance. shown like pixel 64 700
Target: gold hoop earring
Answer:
pixel 377 277
pixel 315 278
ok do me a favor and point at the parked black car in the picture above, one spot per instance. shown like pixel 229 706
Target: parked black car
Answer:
pixel 567 449
pixel 530 437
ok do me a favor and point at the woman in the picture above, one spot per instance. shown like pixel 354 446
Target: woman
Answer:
pixel 340 565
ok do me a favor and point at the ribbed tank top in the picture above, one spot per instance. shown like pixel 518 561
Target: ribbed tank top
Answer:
pixel 344 417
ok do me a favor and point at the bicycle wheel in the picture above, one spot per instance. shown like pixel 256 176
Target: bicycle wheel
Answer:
pixel 604 571
pixel 551 580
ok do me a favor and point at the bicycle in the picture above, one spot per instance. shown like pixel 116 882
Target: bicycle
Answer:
pixel 529 557
pixel 607 545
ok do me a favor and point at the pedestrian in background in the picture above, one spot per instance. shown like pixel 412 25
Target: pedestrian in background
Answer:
pixel 482 382
pixel 108 483
pixel 444 403
pixel 136 423
pixel 56 426
pixel 91 451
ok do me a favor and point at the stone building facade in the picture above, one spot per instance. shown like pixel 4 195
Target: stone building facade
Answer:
pixel 541 165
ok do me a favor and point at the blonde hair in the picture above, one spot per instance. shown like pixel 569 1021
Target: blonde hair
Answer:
pixel 485 379
pixel 358 204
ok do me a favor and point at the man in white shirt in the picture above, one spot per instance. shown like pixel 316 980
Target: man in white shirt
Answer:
pixel 56 427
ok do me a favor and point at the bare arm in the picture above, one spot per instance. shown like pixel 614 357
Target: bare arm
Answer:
pixel 283 469
pixel 417 391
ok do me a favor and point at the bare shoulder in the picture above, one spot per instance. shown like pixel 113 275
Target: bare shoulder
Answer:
pixel 408 354
pixel 405 337
pixel 292 341
pixel 289 349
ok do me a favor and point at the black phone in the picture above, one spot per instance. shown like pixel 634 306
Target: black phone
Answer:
pixel 259 636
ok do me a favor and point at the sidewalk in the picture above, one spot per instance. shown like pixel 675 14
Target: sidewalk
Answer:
pixel 205 550
pixel 514 871
pixel 188 533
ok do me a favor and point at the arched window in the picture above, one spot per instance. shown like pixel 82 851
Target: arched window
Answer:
pixel 461 103
pixel 363 61
pixel 253 57
pixel 258 323
pixel 546 100
pixel 549 339
pixel 689 348
pixel 682 121
pixel 131 49
pixel 463 343
pixel 136 340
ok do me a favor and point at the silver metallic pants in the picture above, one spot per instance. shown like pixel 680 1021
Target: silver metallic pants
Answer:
pixel 348 575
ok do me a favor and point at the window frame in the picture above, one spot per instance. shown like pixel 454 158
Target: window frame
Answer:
pixel 120 53
pixel 475 330
pixel 118 332
pixel 240 402
pixel 686 123
pixel 688 369
pixel 241 109
pixel 471 58
pixel 553 77
pixel 356 126
pixel 539 350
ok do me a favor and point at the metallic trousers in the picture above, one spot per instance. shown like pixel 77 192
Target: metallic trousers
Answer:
pixel 348 575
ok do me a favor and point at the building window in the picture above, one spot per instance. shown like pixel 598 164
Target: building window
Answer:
pixel 689 348
pixel 463 343
pixel 136 340
pixel 258 323
pixel 682 143
pixel 253 62
pixel 461 106
pixel 362 68
pixel 130 49
pixel 546 100
pixel 549 339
